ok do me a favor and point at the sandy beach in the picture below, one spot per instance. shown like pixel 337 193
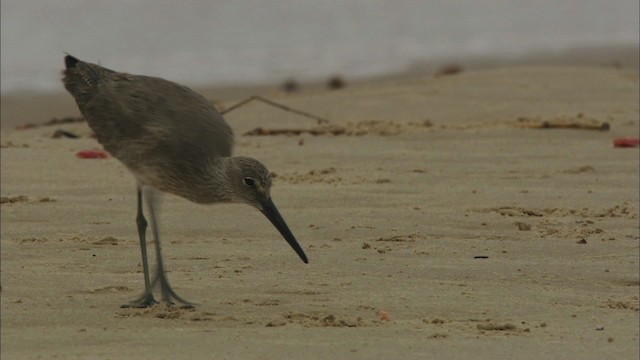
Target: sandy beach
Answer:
pixel 480 215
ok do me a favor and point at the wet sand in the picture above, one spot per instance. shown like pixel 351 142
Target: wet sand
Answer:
pixel 479 215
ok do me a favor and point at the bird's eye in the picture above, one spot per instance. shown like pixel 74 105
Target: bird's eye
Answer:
pixel 249 181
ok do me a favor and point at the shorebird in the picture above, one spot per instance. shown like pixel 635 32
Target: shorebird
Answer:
pixel 173 141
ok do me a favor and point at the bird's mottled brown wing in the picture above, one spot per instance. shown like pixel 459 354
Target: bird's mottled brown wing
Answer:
pixel 142 118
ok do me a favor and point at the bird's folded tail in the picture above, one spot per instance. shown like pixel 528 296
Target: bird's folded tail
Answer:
pixel 80 77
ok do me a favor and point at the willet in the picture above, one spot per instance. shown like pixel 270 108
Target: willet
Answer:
pixel 173 141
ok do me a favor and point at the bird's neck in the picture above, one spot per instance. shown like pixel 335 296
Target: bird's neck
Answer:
pixel 216 185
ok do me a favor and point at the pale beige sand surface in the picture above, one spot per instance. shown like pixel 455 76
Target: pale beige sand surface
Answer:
pixel 437 226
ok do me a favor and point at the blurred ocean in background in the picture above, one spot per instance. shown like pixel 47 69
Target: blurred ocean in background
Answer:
pixel 204 42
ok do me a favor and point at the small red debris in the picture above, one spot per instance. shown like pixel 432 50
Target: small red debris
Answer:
pixel 92 154
pixel 626 142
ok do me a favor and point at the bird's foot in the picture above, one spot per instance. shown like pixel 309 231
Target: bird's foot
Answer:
pixel 145 301
pixel 167 295
pixel 171 298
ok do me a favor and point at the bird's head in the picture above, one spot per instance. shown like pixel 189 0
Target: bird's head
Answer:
pixel 250 183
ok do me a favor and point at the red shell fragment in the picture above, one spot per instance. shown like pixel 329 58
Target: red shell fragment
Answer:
pixel 92 154
pixel 626 142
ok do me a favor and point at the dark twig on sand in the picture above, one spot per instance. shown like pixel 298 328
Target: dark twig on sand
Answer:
pixel 53 121
pixel 64 133
pixel 337 130
pixel 273 103
pixel 579 121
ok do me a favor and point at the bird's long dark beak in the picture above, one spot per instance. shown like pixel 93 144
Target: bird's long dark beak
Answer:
pixel 271 212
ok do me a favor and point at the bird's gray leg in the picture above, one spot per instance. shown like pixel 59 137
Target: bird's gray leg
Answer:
pixel 167 293
pixel 146 299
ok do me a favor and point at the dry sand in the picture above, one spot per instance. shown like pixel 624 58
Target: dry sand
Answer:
pixel 438 224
